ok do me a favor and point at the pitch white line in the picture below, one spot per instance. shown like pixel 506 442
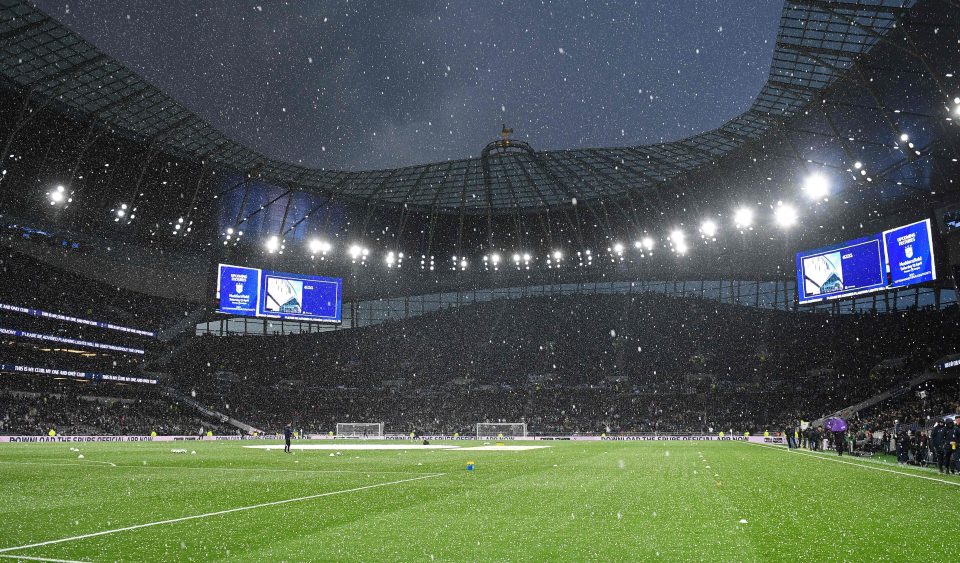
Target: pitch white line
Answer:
pixel 25 558
pixel 217 513
pixel 862 465
pixel 100 462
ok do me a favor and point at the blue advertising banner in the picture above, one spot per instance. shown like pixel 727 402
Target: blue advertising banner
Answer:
pixel 910 254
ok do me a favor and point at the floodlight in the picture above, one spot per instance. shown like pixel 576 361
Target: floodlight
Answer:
pixel 743 218
pixel 708 228
pixel 679 240
pixel 785 215
pixel 273 244
pixel 318 246
pixel 57 195
pixel 817 186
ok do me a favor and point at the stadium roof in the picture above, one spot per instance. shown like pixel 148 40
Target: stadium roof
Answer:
pixel 817 42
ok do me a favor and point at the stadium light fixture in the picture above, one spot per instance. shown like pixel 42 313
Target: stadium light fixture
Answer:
pixel 391 259
pixel 708 228
pixel 743 218
pixel 356 251
pixel 817 186
pixel 618 248
pixel 904 137
pixel 273 244
pixel 557 255
pixel 60 196
pixel 124 213
pixel 679 240
pixel 647 243
pixel 182 226
pixel 463 264
pixel 785 215
pixel 320 246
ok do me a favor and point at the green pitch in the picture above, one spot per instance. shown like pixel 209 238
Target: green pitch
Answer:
pixel 572 501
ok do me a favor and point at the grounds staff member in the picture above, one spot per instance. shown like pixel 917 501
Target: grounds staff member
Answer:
pixel 287 434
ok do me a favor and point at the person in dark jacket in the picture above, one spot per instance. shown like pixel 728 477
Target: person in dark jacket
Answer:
pixel 923 446
pixel 903 446
pixel 936 443
pixel 287 435
pixel 953 446
pixel 840 442
pixel 947 448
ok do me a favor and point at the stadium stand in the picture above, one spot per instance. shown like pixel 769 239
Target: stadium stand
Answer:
pixel 590 363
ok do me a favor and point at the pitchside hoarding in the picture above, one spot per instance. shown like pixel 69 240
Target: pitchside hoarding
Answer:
pixel 895 258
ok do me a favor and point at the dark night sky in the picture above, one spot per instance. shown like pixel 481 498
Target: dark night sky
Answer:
pixel 371 85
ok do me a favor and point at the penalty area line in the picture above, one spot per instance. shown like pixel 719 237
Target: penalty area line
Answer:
pixel 861 465
pixel 217 513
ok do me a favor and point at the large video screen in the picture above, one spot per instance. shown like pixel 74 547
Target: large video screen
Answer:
pixel 909 254
pixel 894 258
pixel 253 292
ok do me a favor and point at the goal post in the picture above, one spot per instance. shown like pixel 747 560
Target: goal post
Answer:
pixel 501 430
pixel 359 430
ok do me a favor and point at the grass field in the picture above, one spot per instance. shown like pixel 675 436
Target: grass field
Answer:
pixel 572 501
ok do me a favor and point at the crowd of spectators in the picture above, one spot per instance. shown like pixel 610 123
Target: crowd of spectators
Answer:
pixel 909 425
pixel 583 363
pixel 26 414
pixel 33 406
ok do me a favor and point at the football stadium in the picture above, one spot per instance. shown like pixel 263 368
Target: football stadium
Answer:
pixel 478 281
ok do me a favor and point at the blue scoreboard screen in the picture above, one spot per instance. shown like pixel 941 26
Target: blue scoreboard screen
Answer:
pixel 263 293
pixel 895 258
pixel 910 254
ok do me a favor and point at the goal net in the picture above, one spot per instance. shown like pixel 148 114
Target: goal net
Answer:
pixel 359 430
pixel 499 430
